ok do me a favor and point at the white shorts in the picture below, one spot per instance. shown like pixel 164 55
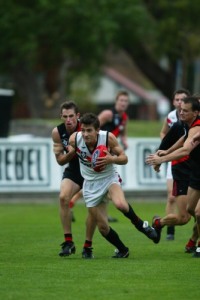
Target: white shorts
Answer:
pixel 95 191
pixel 169 170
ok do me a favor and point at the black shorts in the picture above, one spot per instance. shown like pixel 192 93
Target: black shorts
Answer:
pixel 180 187
pixel 74 175
pixel 195 176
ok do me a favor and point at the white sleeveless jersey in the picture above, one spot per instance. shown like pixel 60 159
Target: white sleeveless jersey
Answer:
pixel 85 157
pixel 172 117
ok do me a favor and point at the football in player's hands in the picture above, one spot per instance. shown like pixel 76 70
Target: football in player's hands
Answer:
pixel 98 152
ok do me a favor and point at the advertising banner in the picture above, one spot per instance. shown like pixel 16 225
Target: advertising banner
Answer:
pixel 29 165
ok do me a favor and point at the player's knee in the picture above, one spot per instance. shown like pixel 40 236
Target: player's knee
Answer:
pixel 190 210
pixel 122 206
pixel 171 199
pixel 185 218
pixel 64 200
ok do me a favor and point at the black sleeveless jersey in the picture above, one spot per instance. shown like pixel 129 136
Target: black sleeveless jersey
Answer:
pixel 64 136
pixel 174 134
pixel 116 125
pixel 181 167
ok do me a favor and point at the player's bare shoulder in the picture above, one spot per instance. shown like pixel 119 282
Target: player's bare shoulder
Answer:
pixel 112 140
pixel 55 135
pixel 57 143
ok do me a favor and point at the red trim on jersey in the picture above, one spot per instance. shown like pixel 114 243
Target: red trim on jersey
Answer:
pixel 124 119
pixel 195 123
pixel 180 160
pixel 78 128
pixel 169 122
pixel 79 154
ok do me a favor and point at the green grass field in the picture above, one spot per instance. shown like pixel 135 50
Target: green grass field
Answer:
pixel 30 267
pixel 144 128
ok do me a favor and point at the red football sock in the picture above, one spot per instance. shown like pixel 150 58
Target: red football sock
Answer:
pixel 87 244
pixel 191 243
pixel 157 223
pixel 68 237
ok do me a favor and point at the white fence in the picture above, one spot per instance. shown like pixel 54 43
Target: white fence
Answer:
pixel 29 165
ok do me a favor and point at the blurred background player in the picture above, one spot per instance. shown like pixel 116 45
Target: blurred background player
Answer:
pixel 172 117
pixel 115 120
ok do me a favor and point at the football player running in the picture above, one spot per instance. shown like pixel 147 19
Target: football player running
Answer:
pixel 98 184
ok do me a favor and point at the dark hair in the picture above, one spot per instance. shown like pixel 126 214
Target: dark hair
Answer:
pixel 121 93
pixel 90 119
pixel 194 101
pixel 197 96
pixel 69 105
pixel 182 91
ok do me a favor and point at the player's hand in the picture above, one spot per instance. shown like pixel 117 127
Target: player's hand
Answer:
pixel 106 160
pixel 70 149
pixel 161 152
pixel 156 168
pixel 153 159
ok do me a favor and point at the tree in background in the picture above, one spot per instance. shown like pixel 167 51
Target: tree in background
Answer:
pixel 44 43
pixel 42 40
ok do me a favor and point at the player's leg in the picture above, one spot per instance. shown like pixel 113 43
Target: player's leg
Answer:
pixel 90 229
pixel 67 190
pixel 73 201
pixel 110 218
pixel 170 205
pixel 193 200
pixel 181 217
pixel 197 216
pixel 75 198
pixel 190 247
pixel 118 199
pixel 100 213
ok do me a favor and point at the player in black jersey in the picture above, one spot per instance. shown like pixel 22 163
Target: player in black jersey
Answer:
pixel 189 114
pixel 181 176
pixel 172 117
pixel 115 120
pixel 72 180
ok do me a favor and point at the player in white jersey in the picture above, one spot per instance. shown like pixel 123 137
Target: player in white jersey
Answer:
pixel 98 184
pixel 172 118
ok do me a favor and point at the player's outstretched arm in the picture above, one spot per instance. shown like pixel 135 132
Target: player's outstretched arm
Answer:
pixel 105 116
pixel 154 159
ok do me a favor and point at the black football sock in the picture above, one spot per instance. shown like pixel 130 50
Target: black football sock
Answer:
pixel 134 218
pixel 113 238
pixel 171 230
